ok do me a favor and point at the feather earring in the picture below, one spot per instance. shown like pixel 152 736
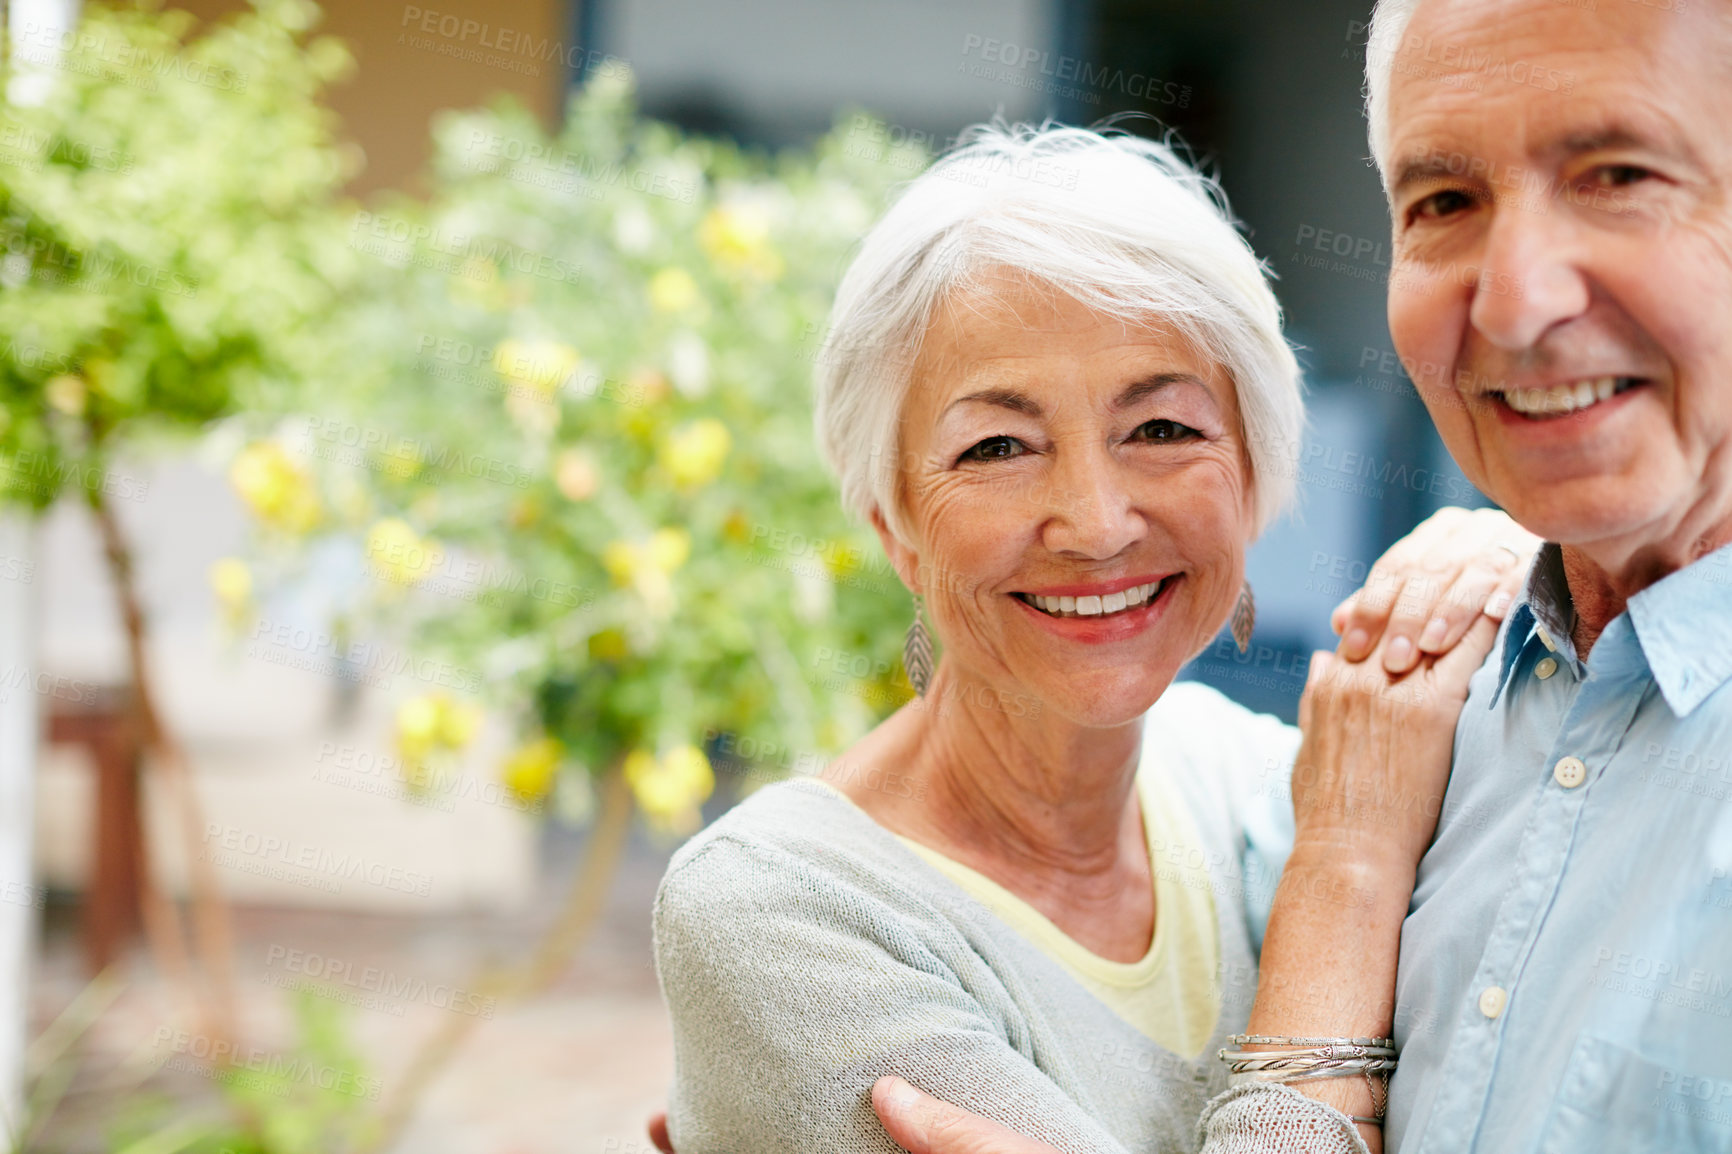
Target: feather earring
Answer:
pixel 1244 617
pixel 917 652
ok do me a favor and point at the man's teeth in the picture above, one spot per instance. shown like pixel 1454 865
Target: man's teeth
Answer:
pixel 1566 398
pixel 1094 606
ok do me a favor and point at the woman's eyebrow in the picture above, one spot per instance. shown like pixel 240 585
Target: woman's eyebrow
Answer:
pixel 1003 398
pixel 1148 386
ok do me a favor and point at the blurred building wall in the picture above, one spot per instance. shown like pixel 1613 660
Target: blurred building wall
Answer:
pixel 779 71
pixel 414 60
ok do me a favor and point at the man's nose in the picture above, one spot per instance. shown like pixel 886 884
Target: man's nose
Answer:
pixel 1528 278
pixel 1090 511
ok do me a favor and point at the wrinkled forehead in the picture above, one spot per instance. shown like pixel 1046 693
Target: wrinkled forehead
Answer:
pixel 1547 76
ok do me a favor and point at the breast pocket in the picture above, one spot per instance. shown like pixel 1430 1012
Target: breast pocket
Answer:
pixel 1614 1099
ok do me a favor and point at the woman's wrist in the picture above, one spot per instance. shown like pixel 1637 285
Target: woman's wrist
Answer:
pixel 1353 869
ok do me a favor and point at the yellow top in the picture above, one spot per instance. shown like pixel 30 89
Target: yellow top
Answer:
pixel 1170 994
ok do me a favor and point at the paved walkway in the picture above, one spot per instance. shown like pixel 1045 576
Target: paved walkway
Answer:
pixel 575 1071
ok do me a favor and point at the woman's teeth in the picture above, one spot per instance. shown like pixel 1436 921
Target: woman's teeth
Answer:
pixel 1566 398
pixel 1095 606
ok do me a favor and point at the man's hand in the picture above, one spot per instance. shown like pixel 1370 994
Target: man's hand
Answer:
pixel 922 1124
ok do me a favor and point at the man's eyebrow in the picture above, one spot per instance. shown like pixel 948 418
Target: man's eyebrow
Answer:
pixel 1425 168
pixel 1433 164
pixel 1003 398
pixel 1148 386
pixel 1614 136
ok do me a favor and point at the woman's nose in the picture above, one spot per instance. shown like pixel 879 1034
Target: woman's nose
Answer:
pixel 1090 512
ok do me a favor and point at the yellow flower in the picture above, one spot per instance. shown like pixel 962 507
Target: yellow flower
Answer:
pixel 399 554
pixel 525 513
pixel 609 645
pixel 458 722
pixel 277 490
pixel 66 393
pixel 232 582
pixel 575 474
pixel 841 559
pixel 737 238
pixel 540 365
pixel 693 454
pixel 666 550
pixel 434 721
pixel 529 772
pixel 646 566
pixel 669 789
pixel 417 726
pixel 669 549
pixel 620 559
pixel 672 290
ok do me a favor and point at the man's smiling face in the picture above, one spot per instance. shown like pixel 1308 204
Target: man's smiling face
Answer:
pixel 1561 187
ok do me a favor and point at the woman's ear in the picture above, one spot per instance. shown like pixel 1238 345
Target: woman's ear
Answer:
pixel 903 559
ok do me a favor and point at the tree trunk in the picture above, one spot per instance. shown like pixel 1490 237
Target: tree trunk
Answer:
pixel 583 905
pixel 212 937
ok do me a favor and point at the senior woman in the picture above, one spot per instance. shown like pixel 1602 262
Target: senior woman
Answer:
pixel 1056 385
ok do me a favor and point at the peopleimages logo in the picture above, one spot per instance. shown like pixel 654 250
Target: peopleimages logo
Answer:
pixel 1059 69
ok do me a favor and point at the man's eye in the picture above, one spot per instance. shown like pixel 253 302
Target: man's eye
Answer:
pixel 1618 175
pixel 1165 430
pixel 994 449
pixel 1440 204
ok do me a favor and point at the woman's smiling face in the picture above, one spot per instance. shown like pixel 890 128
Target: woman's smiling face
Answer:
pixel 1051 457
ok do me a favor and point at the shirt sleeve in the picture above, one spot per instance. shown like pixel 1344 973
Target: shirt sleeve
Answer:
pixel 792 991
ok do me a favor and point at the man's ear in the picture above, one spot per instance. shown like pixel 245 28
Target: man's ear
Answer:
pixel 903 559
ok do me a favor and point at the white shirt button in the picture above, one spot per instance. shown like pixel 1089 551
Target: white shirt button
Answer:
pixel 1569 772
pixel 1546 667
pixel 1492 1000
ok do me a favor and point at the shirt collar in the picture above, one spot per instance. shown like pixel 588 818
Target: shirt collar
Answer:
pixel 1681 621
pixel 1543 610
pixel 1684 623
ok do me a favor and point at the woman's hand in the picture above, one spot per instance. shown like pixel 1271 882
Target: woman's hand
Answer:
pixel 1374 758
pixel 1424 594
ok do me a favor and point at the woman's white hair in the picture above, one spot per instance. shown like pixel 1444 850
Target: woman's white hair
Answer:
pixel 1120 223
pixel 1389 21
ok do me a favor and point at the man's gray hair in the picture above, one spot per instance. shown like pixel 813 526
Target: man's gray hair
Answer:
pixel 1120 223
pixel 1389 21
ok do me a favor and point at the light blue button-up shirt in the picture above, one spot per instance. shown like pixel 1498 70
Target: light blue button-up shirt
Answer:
pixel 1566 969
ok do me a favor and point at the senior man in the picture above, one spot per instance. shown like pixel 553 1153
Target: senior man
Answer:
pixel 1559 175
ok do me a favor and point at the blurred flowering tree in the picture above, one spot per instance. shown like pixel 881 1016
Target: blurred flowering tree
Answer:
pixel 167 249
pixel 573 438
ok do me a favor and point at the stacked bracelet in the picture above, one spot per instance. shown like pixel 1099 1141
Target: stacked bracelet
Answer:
pixel 1312 1059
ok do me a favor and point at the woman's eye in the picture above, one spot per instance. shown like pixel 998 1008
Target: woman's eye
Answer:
pixel 994 449
pixel 1165 430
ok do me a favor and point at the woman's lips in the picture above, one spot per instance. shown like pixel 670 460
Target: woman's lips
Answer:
pixel 1107 627
pixel 1094 600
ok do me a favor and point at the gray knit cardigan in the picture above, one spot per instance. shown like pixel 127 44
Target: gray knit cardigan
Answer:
pixel 804 952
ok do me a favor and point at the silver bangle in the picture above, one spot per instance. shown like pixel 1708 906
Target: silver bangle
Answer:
pixel 1312 1059
pixel 1278 1040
